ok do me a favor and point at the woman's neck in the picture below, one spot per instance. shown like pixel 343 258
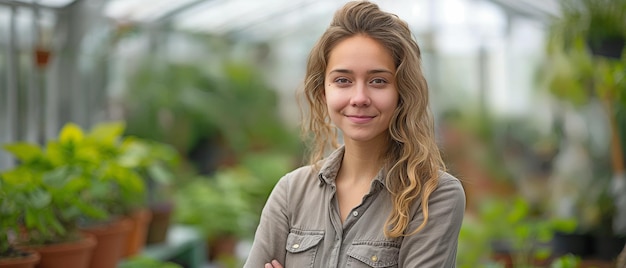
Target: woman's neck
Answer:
pixel 361 161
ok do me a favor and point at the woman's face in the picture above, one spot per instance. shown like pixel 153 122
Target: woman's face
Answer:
pixel 360 88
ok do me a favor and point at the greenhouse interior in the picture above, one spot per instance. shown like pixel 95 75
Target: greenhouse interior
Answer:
pixel 153 132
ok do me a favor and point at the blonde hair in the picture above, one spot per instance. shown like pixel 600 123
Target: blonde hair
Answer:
pixel 412 161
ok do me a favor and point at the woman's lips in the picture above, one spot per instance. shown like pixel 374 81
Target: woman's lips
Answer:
pixel 360 119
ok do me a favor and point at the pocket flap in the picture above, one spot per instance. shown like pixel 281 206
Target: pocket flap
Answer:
pixel 375 255
pixel 303 240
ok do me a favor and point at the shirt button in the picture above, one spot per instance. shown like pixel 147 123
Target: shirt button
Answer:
pixel 295 246
pixel 374 258
pixel 355 213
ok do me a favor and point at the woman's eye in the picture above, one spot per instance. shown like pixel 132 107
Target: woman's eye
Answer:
pixel 378 81
pixel 342 81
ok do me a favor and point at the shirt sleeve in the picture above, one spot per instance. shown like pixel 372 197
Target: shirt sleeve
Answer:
pixel 271 234
pixel 436 245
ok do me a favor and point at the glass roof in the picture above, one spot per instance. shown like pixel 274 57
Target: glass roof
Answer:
pixel 275 18
pixel 255 19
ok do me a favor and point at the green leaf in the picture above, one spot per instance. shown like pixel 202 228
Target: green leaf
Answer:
pixel 57 178
pixel 55 153
pixel 70 212
pixel 566 261
pixel 134 154
pixel 107 132
pixel 31 218
pixel 160 174
pixel 53 222
pixel 519 212
pixel 564 225
pixel 25 152
pixel 40 198
pixel 543 253
pixel 71 133
pixel 90 210
pixel 18 177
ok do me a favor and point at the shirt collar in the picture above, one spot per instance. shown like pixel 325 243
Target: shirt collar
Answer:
pixel 332 163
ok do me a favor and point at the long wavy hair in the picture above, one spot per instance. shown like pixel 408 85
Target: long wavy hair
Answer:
pixel 412 161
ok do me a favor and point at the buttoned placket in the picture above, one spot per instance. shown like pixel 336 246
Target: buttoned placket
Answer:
pixel 341 229
pixel 336 223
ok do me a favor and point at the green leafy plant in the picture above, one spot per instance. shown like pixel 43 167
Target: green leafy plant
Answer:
pixel 101 156
pixel 79 177
pixel 566 261
pixel 596 22
pixel 224 114
pixel 268 167
pixel 216 205
pixel 232 198
pixel 52 194
pixel 156 163
pixel 510 224
pixel 474 245
pixel 119 166
pixel 20 195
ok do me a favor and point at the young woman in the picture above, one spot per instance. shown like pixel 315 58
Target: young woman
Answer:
pixel 382 198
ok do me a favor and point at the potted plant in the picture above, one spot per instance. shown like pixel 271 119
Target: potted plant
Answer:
pixel 121 169
pixel 226 217
pixel 92 181
pixel 61 197
pixel 15 199
pixel 508 232
pixel 155 162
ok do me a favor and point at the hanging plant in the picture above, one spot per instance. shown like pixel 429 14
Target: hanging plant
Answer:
pixel 42 56
pixel 601 23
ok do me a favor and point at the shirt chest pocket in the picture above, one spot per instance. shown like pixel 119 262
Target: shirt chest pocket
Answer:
pixel 301 248
pixel 372 254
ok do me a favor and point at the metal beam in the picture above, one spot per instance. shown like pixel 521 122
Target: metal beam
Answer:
pixel 16 3
pixel 9 104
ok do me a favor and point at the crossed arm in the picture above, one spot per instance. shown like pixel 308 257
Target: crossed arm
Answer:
pixel 268 249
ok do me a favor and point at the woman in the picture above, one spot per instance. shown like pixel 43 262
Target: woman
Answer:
pixel 382 199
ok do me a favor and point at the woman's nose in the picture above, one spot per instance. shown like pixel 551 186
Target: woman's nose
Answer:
pixel 360 96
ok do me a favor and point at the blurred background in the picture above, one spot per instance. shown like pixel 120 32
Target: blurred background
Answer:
pixel 528 97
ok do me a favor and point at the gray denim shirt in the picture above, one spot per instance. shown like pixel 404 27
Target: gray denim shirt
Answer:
pixel 300 225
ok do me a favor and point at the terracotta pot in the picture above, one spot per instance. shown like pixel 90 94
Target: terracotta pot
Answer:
pixel 159 224
pixel 111 242
pixel 138 232
pixel 503 258
pixel 72 254
pixel 42 57
pixel 222 246
pixel 28 261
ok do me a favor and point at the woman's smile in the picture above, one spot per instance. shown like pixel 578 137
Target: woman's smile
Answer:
pixel 360 119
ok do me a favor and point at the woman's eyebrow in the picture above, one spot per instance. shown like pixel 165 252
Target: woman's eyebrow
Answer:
pixel 374 71
pixel 343 71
